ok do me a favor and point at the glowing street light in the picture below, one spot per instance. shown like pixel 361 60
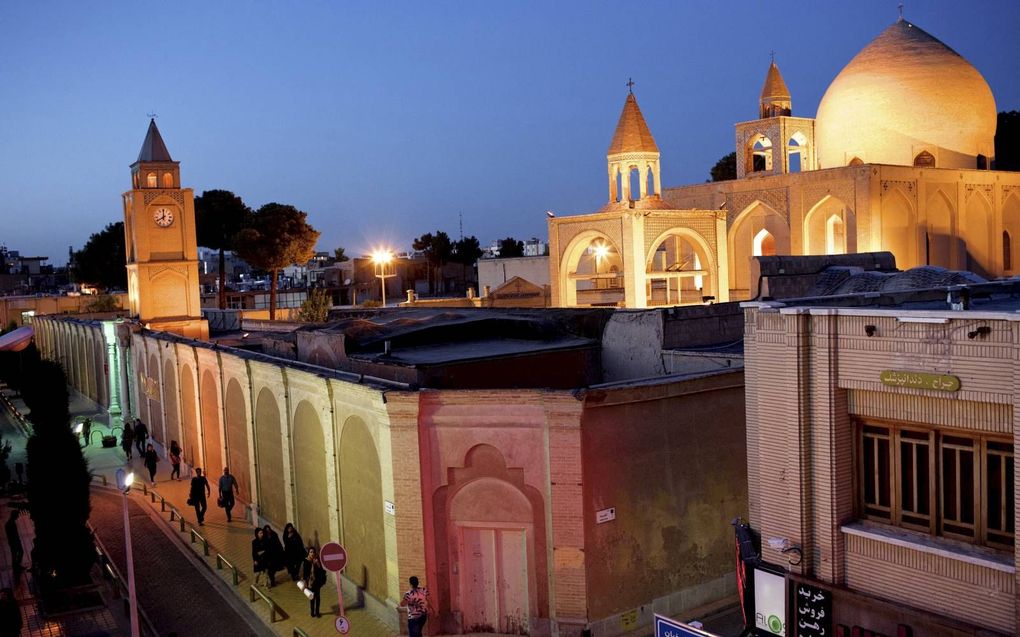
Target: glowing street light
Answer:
pixel 601 251
pixel 382 260
pixel 124 481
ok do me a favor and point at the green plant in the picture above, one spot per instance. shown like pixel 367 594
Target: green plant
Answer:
pixel 102 303
pixel 315 308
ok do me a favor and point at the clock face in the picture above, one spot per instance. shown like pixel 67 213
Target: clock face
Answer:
pixel 164 217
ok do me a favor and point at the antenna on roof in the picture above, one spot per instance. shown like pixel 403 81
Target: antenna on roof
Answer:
pixel 630 85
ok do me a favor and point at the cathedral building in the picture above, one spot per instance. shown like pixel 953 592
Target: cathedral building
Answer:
pixel 899 158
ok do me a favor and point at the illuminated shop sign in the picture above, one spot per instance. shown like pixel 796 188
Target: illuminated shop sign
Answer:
pixel 919 380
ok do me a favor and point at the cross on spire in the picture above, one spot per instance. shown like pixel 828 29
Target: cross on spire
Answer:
pixel 772 54
pixel 152 115
pixel 630 85
pixel 900 7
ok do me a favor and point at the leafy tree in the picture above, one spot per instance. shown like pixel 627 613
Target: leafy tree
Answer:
pixel 438 250
pixel 339 255
pixel 726 168
pixel 101 261
pixel 278 235
pixel 315 308
pixel 219 216
pixel 466 251
pixel 1007 141
pixel 510 247
pixel 103 303
pixel 58 499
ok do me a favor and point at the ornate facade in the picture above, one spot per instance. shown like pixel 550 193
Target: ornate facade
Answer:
pixel 868 174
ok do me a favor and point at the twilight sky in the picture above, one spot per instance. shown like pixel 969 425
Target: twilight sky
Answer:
pixel 384 120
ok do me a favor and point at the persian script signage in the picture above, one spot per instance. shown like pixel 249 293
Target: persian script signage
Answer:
pixel 813 606
pixel 919 380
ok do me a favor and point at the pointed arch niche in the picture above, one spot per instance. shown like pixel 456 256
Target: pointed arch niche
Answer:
pixel 1011 228
pixel 746 240
pixel 830 227
pixel 491 524
pixel 759 154
pixel 591 271
pixel 680 269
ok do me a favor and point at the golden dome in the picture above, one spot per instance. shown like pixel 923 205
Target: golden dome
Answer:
pixel 632 134
pixel 904 93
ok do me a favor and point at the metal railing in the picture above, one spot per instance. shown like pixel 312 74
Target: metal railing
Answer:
pixel 120 586
pixel 205 542
pixel 252 591
pixel 221 561
pixel 297 632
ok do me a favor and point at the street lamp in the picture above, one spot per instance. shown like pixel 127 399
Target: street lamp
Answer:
pixel 601 251
pixel 124 481
pixel 382 259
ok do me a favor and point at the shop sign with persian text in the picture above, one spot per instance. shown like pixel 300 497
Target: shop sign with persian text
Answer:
pixel 919 380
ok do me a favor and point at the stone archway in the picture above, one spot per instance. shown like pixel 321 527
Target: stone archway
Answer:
pixel 671 263
pixel 172 421
pixel 741 241
pixel 269 458
pixel 192 442
pixel 155 423
pixel 236 428
pixel 591 271
pixel 361 503
pixel 212 442
pixel 829 228
pixel 311 493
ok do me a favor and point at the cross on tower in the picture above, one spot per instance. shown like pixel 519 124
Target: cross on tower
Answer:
pixel 900 7
pixel 773 55
pixel 630 85
pixel 151 115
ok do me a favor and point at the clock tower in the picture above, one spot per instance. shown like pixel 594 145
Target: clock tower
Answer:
pixel 160 245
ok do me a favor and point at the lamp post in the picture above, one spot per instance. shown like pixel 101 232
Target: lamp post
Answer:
pixel 382 259
pixel 601 252
pixel 124 481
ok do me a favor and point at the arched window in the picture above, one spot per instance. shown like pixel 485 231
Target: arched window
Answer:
pixel 856 161
pixel 650 181
pixel 1007 251
pixel 835 236
pixel 796 152
pixel 924 159
pixel 150 180
pixel 168 180
pixel 759 155
pixel 764 244
pixel 634 180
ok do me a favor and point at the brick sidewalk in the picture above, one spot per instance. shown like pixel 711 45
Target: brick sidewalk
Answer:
pixel 231 541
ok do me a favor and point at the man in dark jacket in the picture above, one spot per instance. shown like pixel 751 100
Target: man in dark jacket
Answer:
pixel 197 496
pixel 141 435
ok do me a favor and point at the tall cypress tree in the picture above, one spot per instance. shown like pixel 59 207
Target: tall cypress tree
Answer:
pixel 58 482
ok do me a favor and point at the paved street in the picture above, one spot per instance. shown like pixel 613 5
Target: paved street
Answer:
pixel 173 594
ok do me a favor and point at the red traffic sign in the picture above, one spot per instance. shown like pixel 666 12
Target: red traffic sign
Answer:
pixel 333 557
pixel 342 625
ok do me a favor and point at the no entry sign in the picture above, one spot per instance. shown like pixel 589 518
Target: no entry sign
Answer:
pixel 333 557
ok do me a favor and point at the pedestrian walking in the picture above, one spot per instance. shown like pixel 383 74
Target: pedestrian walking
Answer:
pixel 274 554
pixel 151 458
pixel 293 551
pixel 315 577
pixel 197 496
pixel 141 435
pixel 417 603
pixel 14 540
pixel 127 437
pixel 259 554
pixel 175 460
pixel 86 431
pixel 228 489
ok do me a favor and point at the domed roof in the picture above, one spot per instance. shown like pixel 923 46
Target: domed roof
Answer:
pixel 903 93
pixel 632 134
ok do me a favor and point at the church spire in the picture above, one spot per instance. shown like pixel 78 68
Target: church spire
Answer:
pixel 153 148
pixel 775 97
pixel 633 150
pixel 632 134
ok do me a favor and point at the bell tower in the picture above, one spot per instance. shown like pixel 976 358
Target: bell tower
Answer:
pixel 633 149
pixel 776 143
pixel 160 244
